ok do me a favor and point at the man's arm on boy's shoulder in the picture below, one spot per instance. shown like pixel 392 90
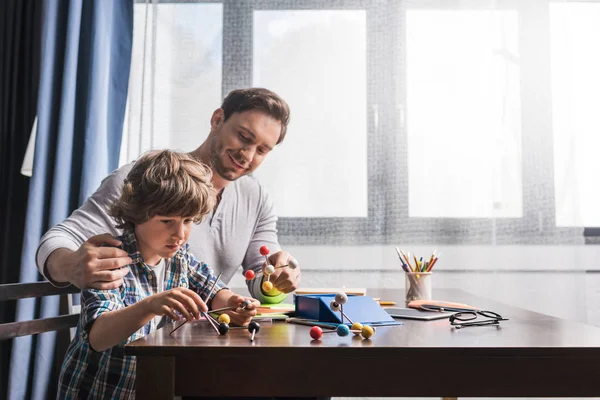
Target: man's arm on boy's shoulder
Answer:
pixel 61 257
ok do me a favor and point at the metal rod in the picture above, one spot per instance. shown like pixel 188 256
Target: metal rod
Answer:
pixel 205 301
pixel 208 318
pixel 223 309
pixel 213 287
pixel 344 314
pixel 184 322
pixel 213 319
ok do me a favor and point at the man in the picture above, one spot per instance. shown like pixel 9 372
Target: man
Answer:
pixel 247 126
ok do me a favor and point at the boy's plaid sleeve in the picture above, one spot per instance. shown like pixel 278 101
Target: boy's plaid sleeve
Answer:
pixel 202 278
pixel 94 303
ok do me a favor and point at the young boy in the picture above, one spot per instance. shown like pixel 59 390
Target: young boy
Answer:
pixel 163 195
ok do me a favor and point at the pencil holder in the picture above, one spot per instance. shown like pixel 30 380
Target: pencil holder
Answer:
pixel 417 286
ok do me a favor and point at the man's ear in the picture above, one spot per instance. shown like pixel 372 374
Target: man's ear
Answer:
pixel 217 118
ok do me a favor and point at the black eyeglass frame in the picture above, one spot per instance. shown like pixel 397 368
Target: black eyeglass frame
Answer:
pixel 467 314
pixel 468 318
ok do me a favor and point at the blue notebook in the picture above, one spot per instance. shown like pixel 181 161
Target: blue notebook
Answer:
pixel 361 309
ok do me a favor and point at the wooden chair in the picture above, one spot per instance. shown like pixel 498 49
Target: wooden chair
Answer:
pixel 68 318
pixel 17 291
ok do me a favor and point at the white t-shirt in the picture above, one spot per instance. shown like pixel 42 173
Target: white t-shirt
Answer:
pixel 159 270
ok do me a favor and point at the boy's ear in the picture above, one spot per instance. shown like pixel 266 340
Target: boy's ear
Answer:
pixel 217 118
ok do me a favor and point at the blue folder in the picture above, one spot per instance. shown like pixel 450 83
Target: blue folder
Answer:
pixel 361 309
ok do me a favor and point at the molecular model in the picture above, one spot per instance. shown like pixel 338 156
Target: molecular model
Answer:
pixel 342 330
pixel 221 324
pixel 269 269
pixel 223 321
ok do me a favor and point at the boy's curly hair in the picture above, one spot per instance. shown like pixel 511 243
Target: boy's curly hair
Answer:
pixel 164 183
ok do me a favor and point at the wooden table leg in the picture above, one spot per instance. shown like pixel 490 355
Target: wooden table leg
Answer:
pixel 155 378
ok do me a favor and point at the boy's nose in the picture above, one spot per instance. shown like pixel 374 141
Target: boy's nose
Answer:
pixel 179 231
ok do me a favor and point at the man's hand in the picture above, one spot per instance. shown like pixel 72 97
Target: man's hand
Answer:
pixel 92 265
pixel 285 279
pixel 242 316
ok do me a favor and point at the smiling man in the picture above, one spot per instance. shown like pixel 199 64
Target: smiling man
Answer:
pixel 249 124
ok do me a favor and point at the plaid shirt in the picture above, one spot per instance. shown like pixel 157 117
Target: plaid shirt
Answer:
pixel 88 374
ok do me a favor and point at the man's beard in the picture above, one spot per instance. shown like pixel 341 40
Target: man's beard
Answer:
pixel 217 164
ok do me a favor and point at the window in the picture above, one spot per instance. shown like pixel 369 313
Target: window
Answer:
pixel 575 30
pixel 413 121
pixel 316 60
pixel 463 113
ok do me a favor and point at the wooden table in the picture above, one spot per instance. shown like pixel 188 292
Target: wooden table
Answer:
pixel 530 355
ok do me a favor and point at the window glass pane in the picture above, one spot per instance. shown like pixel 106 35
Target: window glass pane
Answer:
pixel 574 33
pixel 316 60
pixel 463 113
pixel 175 82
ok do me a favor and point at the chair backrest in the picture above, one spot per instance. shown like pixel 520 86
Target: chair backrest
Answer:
pixel 17 291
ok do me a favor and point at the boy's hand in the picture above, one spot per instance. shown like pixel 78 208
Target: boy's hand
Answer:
pixel 285 279
pixel 180 300
pixel 241 316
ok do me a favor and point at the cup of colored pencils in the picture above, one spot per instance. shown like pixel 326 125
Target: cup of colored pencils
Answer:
pixel 418 275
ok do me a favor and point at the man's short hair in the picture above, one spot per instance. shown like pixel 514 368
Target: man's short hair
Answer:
pixel 165 183
pixel 241 100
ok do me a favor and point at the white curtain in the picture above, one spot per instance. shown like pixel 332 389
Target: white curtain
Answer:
pixel 176 75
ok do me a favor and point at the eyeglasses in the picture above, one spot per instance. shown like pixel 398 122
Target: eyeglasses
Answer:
pixel 464 319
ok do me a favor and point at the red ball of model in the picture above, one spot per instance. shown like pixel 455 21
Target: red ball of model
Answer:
pixel 249 275
pixel 316 333
pixel 264 250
